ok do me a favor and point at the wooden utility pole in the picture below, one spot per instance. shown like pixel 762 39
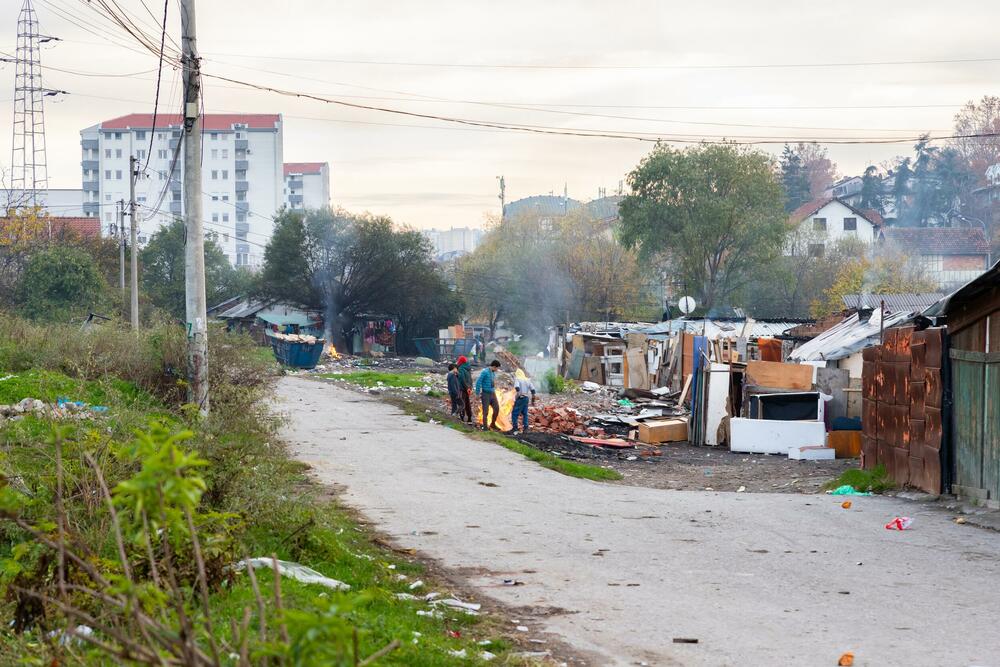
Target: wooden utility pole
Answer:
pixel 133 240
pixel 194 250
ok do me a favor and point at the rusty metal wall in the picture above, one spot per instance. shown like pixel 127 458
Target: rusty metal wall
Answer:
pixel 901 410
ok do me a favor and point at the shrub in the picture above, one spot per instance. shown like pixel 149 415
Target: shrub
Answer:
pixel 553 383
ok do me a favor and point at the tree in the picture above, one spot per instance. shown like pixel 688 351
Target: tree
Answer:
pixel 161 266
pixel 22 232
pixel 59 282
pixel 886 273
pixel 820 170
pixel 901 189
pixel 794 179
pixel 714 210
pixel 348 265
pixel 871 190
pixel 982 118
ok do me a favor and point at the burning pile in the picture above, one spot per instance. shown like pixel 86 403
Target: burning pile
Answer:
pixel 560 419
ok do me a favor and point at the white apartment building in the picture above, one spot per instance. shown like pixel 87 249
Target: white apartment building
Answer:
pixel 58 202
pixel 241 175
pixel 307 185
pixel 454 241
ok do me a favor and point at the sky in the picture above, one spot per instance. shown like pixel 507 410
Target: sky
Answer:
pixel 770 69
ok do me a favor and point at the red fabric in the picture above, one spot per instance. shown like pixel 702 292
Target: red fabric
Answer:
pixel 462 360
pixel 770 349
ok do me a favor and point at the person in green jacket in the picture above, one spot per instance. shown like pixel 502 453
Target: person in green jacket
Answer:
pixel 486 390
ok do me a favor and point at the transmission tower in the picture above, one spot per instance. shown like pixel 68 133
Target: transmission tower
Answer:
pixel 29 172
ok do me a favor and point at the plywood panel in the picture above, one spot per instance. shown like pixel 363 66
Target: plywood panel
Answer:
pixel 777 375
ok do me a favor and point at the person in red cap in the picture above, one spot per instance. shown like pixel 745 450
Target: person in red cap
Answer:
pixel 465 389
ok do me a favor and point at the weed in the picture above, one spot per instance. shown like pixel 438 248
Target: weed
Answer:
pixel 553 383
pixel 875 480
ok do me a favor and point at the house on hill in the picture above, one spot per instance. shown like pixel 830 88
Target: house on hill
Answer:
pixel 948 256
pixel 827 220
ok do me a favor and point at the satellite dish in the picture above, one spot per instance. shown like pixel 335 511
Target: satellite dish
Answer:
pixel 686 304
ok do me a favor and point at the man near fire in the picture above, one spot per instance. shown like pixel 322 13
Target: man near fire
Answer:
pixel 486 390
pixel 465 389
pixel 525 391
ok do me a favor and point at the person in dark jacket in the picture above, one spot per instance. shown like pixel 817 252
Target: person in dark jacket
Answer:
pixel 454 390
pixel 486 389
pixel 464 375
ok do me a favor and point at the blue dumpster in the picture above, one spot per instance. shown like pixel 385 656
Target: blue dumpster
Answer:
pixel 297 355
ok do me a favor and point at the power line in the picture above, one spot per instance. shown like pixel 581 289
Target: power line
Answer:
pixel 549 66
pixel 159 77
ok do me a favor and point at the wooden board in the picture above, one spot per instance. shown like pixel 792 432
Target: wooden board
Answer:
pixel 777 375
pixel 635 369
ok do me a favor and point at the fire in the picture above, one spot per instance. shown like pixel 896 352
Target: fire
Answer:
pixel 506 400
pixel 332 351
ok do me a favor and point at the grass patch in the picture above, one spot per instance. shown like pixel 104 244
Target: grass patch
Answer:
pixel 875 480
pixel 546 460
pixel 369 379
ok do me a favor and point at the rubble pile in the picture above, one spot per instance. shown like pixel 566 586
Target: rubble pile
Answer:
pixel 561 419
pixel 63 409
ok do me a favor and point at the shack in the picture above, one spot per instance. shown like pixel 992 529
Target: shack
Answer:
pixel 972 316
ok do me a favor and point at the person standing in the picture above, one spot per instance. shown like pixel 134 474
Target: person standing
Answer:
pixel 454 390
pixel 525 392
pixel 486 390
pixel 464 374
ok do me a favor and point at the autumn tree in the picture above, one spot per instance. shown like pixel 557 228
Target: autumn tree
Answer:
pixel 714 211
pixel 885 273
pixel 979 118
pixel 819 169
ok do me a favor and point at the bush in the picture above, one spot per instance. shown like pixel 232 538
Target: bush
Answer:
pixel 59 282
pixel 553 383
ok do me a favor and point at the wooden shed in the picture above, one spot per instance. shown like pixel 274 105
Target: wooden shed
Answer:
pixel 972 315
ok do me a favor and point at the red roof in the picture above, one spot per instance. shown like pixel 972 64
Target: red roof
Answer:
pixel 304 167
pixel 938 240
pixel 84 227
pixel 811 207
pixel 210 121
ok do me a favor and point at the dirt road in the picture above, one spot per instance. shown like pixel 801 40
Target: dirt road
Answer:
pixel 619 572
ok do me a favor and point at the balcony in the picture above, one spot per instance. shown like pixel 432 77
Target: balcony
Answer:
pixel 242 207
pixel 242 248
pixel 295 185
pixel 93 165
pixel 242 144
pixel 174 142
pixel 176 208
pixel 176 185
pixel 91 186
pixel 295 200
pixel 91 207
pixel 242 165
pixel 90 144
pixel 242 186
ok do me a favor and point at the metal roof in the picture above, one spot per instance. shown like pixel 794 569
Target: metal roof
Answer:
pixel 850 336
pixel 893 302
pixel 244 308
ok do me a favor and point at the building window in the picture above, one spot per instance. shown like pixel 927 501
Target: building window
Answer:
pixel 159 135
pixel 241 196
pixel 225 238
pixel 118 174
pixel 225 153
pixel 118 152
pixel 107 217
pixel 239 135
pixel 225 174
pixel 118 135
pixel 141 154
pixel 819 224
pixel 850 224
pixel 107 197
pixel 107 174
pixel 140 135
pixel 816 249
pixel 107 153
pixel 215 217
pixel 215 197
pixel 141 199
pixel 215 175
pixel 214 136
pixel 225 197
pixel 215 153
pixel 225 217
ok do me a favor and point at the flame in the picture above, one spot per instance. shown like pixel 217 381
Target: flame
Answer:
pixel 506 400
pixel 332 351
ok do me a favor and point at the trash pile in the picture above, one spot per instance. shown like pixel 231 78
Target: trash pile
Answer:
pixel 62 409
pixel 560 419
pixel 296 338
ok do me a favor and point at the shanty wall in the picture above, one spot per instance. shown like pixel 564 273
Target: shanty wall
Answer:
pixel 901 411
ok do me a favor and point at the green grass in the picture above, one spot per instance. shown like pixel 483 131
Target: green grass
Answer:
pixel 875 480
pixel 371 379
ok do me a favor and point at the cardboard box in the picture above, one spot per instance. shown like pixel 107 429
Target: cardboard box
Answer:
pixel 777 375
pixel 847 444
pixel 812 453
pixel 655 431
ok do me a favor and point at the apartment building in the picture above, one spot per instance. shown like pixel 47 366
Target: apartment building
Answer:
pixel 242 175
pixel 307 185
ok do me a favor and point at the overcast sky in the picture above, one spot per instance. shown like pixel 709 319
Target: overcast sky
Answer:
pixel 435 174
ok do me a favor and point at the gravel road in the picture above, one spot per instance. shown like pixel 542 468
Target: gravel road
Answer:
pixel 619 572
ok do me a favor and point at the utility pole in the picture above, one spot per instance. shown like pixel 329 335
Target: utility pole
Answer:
pixel 121 246
pixel 503 196
pixel 134 241
pixel 194 249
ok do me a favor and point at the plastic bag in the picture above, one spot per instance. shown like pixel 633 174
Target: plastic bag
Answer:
pixel 848 490
pixel 899 523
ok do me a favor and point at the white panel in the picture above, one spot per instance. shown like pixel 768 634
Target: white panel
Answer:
pixel 772 436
